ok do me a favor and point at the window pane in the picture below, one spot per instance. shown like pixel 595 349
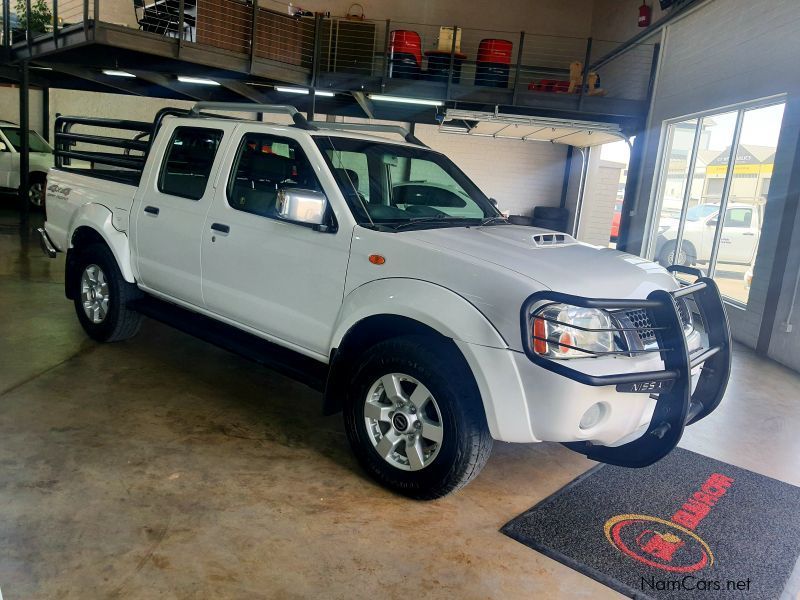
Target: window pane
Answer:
pixel 265 164
pixel 675 170
pixel 190 156
pixel 353 168
pixel 423 183
pixel 713 153
pixel 741 228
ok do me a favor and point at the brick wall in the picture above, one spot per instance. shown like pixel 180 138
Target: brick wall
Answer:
pixel 519 175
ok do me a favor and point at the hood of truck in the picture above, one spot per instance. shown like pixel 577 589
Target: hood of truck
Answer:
pixel 570 266
pixel 41 161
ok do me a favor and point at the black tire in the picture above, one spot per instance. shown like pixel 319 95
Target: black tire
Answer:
pixel 120 322
pixel 37 186
pixel 466 443
pixel 666 254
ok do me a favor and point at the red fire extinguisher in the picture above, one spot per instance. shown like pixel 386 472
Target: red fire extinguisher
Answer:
pixel 644 15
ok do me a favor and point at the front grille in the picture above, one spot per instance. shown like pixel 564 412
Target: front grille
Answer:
pixel 640 319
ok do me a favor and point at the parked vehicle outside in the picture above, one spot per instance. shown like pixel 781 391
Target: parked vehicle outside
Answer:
pixel 40 161
pixel 738 243
pixel 436 325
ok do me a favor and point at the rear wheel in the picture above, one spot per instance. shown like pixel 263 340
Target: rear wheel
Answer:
pixel 414 417
pixel 102 296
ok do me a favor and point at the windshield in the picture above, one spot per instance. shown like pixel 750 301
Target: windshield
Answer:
pixel 37 144
pixel 701 211
pixel 399 186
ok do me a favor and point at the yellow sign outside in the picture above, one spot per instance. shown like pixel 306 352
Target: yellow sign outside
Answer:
pixel 743 169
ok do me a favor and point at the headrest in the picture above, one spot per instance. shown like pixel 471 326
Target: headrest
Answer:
pixel 269 166
pixel 347 175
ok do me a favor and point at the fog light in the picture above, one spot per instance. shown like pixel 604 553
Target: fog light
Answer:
pixel 593 415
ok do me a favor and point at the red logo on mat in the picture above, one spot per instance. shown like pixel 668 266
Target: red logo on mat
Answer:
pixel 670 545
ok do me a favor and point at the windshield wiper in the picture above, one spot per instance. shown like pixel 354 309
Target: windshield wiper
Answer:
pixel 493 219
pixel 419 220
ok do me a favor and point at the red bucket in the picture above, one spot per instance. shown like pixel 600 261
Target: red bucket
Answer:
pixel 495 51
pixel 406 42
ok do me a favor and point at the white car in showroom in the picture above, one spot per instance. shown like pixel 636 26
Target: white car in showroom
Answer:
pixel 738 240
pixel 379 273
pixel 40 161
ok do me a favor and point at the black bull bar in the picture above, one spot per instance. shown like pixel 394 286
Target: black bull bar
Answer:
pixel 676 404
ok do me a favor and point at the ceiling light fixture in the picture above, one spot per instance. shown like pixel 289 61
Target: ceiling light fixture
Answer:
pixel 403 100
pixel 115 73
pixel 197 80
pixel 294 90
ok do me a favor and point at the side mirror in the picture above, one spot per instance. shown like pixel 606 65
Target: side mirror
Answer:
pixel 712 223
pixel 493 201
pixel 3 147
pixel 301 206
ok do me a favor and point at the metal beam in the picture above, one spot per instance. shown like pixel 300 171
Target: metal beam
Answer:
pixel 24 150
pixel 168 83
pixel 46 113
pixel 118 84
pixel 365 104
pixel 245 91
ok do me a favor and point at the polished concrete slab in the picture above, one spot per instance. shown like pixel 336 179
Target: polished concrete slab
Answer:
pixel 165 467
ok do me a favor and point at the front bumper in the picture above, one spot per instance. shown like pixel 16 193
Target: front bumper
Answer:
pixel 46 243
pixel 677 402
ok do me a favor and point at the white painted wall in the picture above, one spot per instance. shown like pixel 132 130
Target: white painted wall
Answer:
pixel 723 53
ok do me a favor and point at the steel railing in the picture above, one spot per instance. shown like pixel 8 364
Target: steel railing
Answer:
pixel 361 50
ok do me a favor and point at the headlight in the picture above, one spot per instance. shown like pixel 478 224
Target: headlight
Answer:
pixel 561 331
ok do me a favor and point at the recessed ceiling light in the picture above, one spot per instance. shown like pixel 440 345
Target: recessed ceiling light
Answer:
pixel 197 80
pixel 115 73
pixel 404 100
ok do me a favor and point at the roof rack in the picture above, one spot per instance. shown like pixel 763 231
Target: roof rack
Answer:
pixel 299 120
pixel 398 129
pixel 283 109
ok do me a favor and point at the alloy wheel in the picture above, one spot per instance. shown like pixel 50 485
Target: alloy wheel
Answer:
pixel 403 421
pixel 94 293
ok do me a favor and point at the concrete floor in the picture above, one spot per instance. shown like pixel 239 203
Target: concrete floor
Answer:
pixel 165 467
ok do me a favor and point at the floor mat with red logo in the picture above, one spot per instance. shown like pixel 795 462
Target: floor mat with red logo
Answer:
pixel 687 527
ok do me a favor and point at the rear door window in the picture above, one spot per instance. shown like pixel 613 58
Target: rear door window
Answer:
pixel 188 161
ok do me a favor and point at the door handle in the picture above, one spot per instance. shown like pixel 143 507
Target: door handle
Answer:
pixel 220 228
pixel 153 210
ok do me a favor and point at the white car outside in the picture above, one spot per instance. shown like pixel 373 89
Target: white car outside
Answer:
pixel 39 162
pixel 439 326
pixel 738 240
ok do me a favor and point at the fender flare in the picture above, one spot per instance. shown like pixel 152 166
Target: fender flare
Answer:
pixel 99 218
pixel 400 306
pixel 433 305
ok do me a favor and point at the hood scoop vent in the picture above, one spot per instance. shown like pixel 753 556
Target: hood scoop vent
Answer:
pixel 552 240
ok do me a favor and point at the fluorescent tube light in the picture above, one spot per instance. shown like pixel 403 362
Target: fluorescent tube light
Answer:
pixel 197 80
pixel 115 73
pixel 403 100
pixel 294 90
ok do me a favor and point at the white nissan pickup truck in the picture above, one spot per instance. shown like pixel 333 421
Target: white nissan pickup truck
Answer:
pixel 378 272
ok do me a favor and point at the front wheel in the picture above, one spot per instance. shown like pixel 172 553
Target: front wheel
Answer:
pixel 36 190
pixel 102 296
pixel 414 417
pixel 668 256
